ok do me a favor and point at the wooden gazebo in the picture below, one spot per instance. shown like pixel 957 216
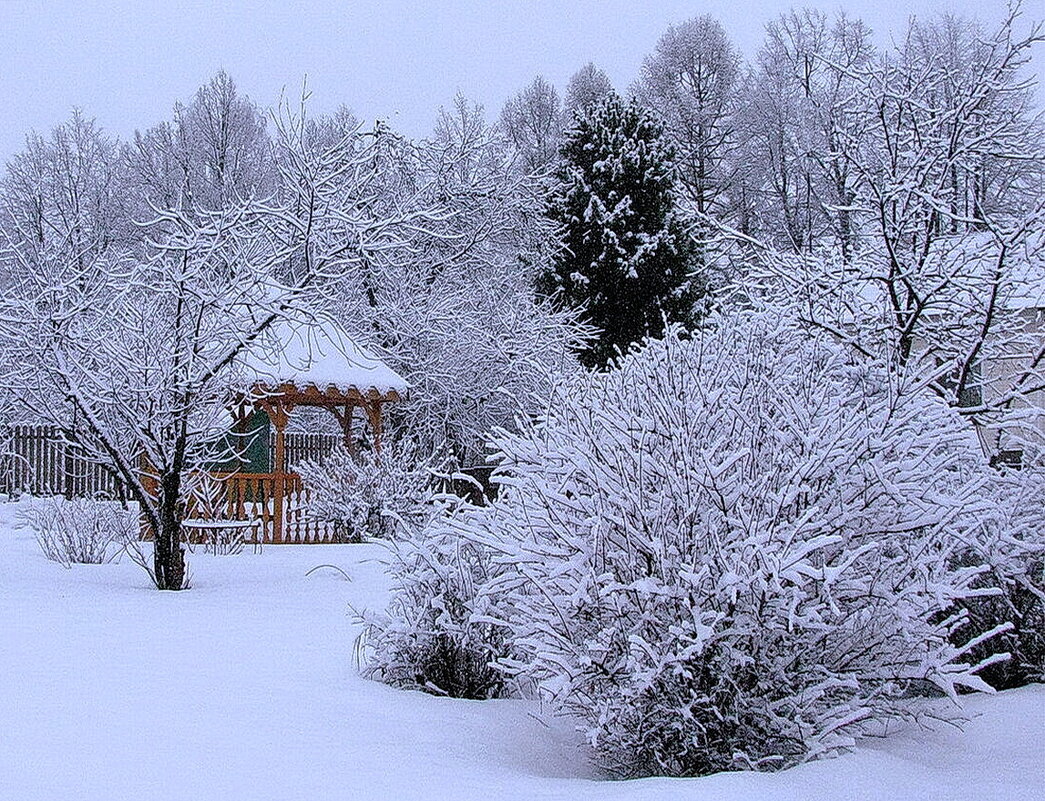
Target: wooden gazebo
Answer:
pixel 312 364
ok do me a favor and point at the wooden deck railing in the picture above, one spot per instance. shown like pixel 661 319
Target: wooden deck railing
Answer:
pixel 278 501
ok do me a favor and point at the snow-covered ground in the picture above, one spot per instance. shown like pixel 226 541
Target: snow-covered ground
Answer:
pixel 245 688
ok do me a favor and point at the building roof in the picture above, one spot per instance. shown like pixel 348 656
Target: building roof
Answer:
pixel 960 269
pixel 971 260
pixel 317 354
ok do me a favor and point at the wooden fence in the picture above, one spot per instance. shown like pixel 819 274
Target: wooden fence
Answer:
pixel 302 446
pixel 35 460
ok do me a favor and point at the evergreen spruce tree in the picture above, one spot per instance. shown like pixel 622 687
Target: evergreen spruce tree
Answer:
pixel 628 262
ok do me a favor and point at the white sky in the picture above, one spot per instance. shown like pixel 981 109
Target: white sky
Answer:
pixel 125 63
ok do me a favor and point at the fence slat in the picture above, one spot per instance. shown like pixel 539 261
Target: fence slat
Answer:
pixel 34 459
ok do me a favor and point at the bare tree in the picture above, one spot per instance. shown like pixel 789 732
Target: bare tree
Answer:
pixel 457 315
pixel 795 109
pixel 143 343
pixel 65 192
pixel 532 121
pixel 587 87
pixel 948 284
pixel 939 122
pixel 690 80
pixel 214 153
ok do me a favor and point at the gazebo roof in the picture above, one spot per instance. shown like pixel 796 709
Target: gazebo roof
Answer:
pixel 318 361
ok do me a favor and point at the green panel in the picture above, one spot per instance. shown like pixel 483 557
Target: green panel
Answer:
pixel 246 452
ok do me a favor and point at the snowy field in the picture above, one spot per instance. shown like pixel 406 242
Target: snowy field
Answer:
pixel 245 688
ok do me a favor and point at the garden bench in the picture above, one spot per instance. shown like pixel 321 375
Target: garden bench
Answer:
pixel 211 532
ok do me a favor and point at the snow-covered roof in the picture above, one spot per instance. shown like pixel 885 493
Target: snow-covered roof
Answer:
pixel 971 260
pixel 1028 288
pixel 963 269
pixel 317 353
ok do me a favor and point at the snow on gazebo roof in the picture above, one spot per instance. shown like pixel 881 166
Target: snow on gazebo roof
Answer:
pixel 319 355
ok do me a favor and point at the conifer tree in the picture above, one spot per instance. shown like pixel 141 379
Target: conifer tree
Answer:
pixel 627 261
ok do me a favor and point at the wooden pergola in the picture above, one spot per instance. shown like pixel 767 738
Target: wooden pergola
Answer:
pixel 312 365
pixel 279 401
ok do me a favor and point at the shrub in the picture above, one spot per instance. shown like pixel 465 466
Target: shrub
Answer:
pixel 1012 547
pixel 80 531
pixel 732 552
pixel 433 636
pixel 371 494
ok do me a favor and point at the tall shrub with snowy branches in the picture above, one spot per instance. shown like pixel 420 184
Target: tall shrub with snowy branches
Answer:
pixel 439 634
pixel 1013 550
pixel 731 551
pixel 734 550
pixel 371 494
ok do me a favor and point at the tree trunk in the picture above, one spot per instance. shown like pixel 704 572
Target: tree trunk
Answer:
pixel 168 555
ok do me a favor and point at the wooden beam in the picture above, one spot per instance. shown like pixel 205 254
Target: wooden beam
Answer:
pixel 350 440
pixel 375 424
pixel 280 418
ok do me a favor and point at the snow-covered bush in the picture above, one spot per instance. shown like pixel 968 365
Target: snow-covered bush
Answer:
pixel 371 495
pixel 733 551
pixel 437 634
pixel 80 531
pixel 1013 548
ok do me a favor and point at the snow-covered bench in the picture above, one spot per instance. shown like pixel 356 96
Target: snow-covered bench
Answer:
pixel 225 536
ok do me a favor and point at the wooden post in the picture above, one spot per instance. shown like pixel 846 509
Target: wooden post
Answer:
pixel 240 429
pixel 278 415
pixel 346 424
pixel 149 482
pixel 69 483
pixel 375 423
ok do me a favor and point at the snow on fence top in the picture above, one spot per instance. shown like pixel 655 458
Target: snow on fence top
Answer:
pixel 317 353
